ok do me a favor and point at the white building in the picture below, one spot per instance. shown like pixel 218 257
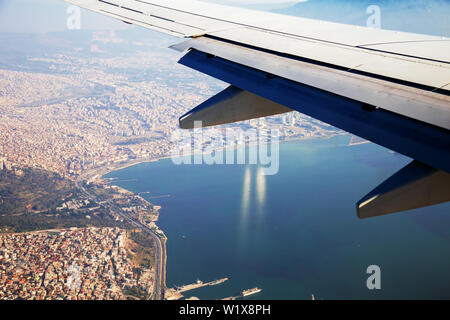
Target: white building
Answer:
pixel 2 163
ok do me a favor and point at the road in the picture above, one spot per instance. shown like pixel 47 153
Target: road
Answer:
pixel 160 245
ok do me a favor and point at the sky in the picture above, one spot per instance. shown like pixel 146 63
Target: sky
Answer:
pixel 46 16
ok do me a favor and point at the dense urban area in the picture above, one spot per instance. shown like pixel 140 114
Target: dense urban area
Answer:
pixel 88 263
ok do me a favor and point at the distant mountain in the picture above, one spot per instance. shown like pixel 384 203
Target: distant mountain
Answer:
pixel 17 48
pixel 418 16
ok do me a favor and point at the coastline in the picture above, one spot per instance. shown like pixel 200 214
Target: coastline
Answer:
pixel 110 168
pixel 100 172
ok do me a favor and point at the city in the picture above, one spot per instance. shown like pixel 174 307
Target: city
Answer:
pixel 102 115
pixel 73 264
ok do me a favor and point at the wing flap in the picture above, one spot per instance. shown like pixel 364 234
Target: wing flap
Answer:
pixel 416 185
pixel 230 105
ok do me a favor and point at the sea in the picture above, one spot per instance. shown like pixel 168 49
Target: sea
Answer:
pixel 295 234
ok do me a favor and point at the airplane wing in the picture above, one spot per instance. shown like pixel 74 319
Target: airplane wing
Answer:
pixel 389 87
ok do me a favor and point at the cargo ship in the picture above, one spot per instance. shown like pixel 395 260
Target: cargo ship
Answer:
pixel 250 292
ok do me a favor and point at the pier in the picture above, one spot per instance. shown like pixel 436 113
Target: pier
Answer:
pixel 244 293
pixel 176 294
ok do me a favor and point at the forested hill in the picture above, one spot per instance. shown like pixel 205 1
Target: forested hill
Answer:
pixel 32 190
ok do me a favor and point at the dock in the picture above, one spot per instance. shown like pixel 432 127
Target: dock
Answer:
pixel 200 284
pixel 244 293
pixel 231 298
pixel 176 294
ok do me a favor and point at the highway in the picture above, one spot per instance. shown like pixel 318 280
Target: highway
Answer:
pixel 160 245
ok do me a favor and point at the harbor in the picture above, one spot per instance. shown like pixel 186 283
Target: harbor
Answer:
pixel 176 294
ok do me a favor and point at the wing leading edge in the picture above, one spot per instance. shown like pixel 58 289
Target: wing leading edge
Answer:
pixel 389 87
